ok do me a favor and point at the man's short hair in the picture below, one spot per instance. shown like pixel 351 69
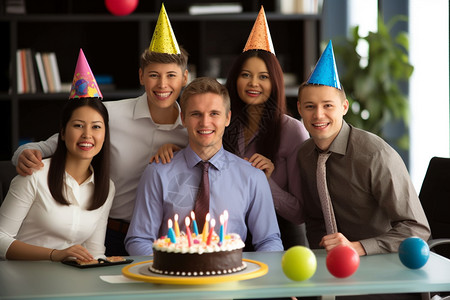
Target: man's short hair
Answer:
pixel 150 57
pixel 203 85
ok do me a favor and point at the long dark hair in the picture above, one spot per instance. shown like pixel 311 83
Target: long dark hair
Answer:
pixel 268 139
pixel 100 162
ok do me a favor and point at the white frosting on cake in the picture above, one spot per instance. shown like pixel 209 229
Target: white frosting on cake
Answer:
pixel 231 242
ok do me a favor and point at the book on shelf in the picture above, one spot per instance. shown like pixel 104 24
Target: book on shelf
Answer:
pixel 19 73
pixel 31 78
pixel 300 6
pixel 24 73
pixel 23 64
pixel 48 72
pixel 15 6
pixel 51 72
pixel 55 72
pixel 41 71
pixel 215 8
pixel 37 72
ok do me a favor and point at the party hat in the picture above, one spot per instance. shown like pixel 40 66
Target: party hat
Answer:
pixel 84 84
pixel 259 38
pixel 325 71
pixel 163 40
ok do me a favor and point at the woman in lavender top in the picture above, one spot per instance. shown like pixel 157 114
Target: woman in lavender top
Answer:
pixel 261 132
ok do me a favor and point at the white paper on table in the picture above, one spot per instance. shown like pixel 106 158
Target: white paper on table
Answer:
pixel 117 279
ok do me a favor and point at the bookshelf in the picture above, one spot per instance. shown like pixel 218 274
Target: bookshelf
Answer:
pixel 113 45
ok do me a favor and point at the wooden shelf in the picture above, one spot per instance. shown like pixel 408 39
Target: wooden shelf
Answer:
pixel 174 17
pixel 113 45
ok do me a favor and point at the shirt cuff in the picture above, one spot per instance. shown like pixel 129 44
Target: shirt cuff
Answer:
pixel 371 246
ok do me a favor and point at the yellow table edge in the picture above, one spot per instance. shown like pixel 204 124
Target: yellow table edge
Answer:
pixel 263 269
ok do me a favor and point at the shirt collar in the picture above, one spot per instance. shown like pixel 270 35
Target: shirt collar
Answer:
pixel 339 145
pixel 141 108
pixel 219 160
pixel 141 111
pixel 71 181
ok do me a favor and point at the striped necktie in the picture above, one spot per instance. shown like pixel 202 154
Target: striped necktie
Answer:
pixel 325 200
pixel 201 207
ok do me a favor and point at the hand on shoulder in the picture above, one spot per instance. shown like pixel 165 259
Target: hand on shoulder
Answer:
pixel 165 153
pixel 263 163
pixel 29 160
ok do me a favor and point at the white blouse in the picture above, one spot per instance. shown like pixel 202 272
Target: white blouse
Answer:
pixel 30 214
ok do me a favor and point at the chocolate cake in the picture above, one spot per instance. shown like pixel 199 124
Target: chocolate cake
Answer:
pixel 199 259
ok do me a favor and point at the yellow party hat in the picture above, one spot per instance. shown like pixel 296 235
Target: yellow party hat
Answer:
pixel 163 40
pixel 259 38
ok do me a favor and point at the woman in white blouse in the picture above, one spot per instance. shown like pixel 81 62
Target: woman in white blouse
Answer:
pixel 58 211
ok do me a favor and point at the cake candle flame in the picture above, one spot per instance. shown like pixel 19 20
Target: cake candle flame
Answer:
pixel 205 228
pixel 211 231
pixel 194 223
pixel 187 221
pixel 225 221
pixel 221 232
pixel 171 233
pixel 175 225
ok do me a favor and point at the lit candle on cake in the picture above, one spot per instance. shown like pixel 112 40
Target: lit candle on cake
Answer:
pixel 175 225
pixel 187 221
pixel 225 221
pixel 211 231
pixel 221 232
pixel 171 233
pixel 205 227
pixel 194 223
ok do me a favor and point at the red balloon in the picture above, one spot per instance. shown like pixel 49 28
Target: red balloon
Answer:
pixel 342 261
pixel 121 7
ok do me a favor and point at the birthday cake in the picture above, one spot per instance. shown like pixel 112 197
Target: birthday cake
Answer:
pixel 198 255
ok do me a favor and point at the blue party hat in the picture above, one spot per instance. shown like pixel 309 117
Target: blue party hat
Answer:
pixel 325 71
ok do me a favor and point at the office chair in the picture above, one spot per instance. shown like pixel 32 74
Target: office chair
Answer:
pixel 7 173
pixel 435 198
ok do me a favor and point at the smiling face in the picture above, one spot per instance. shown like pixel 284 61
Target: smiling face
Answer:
pixel 253 83
pixel 163 84
pixel 84 134
pixel 322 109
pixel 205 118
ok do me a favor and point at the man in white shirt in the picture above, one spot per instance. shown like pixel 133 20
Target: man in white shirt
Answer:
pixel 138 126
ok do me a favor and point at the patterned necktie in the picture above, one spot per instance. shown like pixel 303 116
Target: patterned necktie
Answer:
pixel 201 207
pixel 325 200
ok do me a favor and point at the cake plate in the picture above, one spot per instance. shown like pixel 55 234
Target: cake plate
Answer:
pixel 140 271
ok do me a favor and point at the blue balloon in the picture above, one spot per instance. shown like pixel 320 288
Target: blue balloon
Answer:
pixel 414 252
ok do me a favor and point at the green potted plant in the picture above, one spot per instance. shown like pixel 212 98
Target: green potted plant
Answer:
pixel 374 88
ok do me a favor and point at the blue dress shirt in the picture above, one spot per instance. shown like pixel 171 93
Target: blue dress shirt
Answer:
pixel 168 189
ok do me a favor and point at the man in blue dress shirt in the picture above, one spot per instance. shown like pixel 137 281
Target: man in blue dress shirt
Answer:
pixel 236 186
